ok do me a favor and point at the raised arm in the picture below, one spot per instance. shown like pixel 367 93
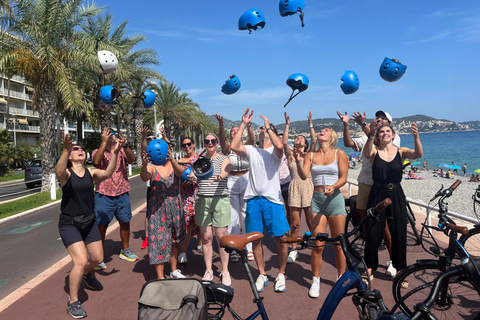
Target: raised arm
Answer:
pixel 236 145
pixel 368 150
pixel 129 155
pixel 251 135
pixel 313 135
pixel 178 169
pixel 221 135
pixel 100 175
pixel 286 147
pixel 145 174
pixel 303 166
pixel 144 132
pixel 277 144
pixel 61 168
pixel 347 139
pixel 418 152
pixel 97 158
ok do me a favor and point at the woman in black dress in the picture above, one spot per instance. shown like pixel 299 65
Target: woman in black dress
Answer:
pixel 387 168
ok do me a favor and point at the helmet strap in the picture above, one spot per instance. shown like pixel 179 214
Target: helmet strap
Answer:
pixel 301 16
pixel 291 97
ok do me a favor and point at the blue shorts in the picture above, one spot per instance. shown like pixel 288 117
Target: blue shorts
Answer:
pixel 106 207
pixel 328 206
pixel 70 234
pixel 262 213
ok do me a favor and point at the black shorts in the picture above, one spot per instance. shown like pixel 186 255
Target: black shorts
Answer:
pixel 284 188
pixel 70 234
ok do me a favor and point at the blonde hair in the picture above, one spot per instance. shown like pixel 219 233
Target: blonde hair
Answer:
pixel 333 139
pixel 212 134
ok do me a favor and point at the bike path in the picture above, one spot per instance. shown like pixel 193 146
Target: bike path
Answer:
pixel 123 280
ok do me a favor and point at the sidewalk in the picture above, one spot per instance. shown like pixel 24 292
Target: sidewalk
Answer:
pixel 123 280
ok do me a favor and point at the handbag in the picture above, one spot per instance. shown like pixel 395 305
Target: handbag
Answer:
pixel 84 221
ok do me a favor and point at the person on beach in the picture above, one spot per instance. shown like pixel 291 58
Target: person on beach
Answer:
pixel 464 169
pixel 387 166
pixel 364 178
pixel 237 184
pixel 166 221
pixel 77 227
pixel 328 167
pixel 455 171
pixel 212 208
pixel 264 198
pixel 425 164
pixel 300 191
pixel 111 197
pixel 188 191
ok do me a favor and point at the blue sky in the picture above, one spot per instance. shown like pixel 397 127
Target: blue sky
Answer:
pixel 200 46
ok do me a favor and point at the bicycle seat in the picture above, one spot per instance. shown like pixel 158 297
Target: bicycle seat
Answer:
pixel 238 242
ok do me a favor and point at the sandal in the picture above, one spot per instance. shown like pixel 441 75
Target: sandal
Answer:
pixel 234 257
pixel 404 284
pixel 250 256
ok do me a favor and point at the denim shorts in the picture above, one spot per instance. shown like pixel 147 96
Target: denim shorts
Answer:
pixel 262 213
pixel 106 207
pixel 70 234
pixel 328 206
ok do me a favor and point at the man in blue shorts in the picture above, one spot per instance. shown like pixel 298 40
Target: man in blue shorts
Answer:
pixel 263 195
pixel 111 196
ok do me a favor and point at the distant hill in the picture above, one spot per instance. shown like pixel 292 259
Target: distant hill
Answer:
pixel 401 125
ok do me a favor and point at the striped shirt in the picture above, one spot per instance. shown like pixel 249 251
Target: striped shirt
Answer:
pixel 217 188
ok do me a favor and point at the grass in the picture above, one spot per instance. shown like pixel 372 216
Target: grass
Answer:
pixel 27 203
pixel 12 178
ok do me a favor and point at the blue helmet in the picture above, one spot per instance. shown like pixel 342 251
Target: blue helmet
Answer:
pixel 251 19
pixel 231 85
pixel 203 168
pixel 350 82
pixel 108 94
pixel 149 99
pixel 185 174
pixel 392 70
pixel 157 152
pixel 298 81
pixel 289 7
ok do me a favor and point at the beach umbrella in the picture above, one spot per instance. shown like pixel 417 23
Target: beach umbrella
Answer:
pixel 443 165
pixel 415 163
pixel 477 171
pixel 353 154
pixel 454 166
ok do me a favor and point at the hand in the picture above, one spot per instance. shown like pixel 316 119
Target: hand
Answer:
pixel 161 130
pixel 67 142
pixel 106 135
pixel 287 119
pixel 357 116
pixel 145 159
pixel 374 125
pixel 216 179
pixel 329 190
pixel 297 155
pixel 310 119
pixel 414 130
pixel 343 118
pixel 144 131
pixel 119 144
pixel 267 122
pixel 219 119
pixel 122 139
pixel 169 155
pixel 247 118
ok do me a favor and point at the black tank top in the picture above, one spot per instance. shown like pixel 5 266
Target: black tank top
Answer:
pixel 78 197
pixel 387 172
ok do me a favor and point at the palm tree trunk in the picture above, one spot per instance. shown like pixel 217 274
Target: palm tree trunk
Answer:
pixel 46 105
pixel 138 120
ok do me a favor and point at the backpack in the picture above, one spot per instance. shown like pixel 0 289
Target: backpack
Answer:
pixel 172 299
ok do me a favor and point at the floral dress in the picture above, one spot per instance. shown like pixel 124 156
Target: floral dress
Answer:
pixel 166 221
pixel 189 194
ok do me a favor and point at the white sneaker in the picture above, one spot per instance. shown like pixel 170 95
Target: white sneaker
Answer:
pixel 262 282
pixel 292 256
pixel 199 249
pixel 182 258
pixel 177 274
pixel 280 283
pixel 391 271
pixel 314 291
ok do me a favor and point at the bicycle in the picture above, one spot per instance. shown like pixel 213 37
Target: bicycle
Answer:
pixel 471 241
pixel 459 296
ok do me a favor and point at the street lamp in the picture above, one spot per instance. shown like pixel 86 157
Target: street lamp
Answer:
pixel 14 120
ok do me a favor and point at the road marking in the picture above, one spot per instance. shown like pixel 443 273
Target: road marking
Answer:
pixel 30 285
pixel 23 227
pixel 4 282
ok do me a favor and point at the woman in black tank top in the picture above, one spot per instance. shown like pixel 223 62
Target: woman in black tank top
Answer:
pixel 387 169
pixel 83 244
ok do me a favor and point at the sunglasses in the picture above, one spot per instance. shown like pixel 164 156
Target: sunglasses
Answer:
pixel 213 141
pixel 188 144
pixel 77 148
pixel 382 118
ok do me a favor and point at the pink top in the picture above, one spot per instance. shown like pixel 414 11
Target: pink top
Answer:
pixel 118 183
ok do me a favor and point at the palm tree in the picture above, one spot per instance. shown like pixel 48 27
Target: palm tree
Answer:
pixel 5 6
pixel 44 31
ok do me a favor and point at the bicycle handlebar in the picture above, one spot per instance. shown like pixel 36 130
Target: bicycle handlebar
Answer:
pixel 458 229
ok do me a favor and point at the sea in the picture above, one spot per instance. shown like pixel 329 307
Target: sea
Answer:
pixel 444 147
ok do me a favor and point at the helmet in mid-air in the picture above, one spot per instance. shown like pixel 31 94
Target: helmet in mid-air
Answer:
pixel 185 174
pixel 108 94
pixel 392 70
pixel 203 168
pixel 350 82
pixel 289 7
pixel 298 81
pixel 231 85
pixel 157 151
pixel 148 98
pixel 108 61
pixel 251 20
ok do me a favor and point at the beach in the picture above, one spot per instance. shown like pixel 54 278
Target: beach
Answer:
pixel 422 190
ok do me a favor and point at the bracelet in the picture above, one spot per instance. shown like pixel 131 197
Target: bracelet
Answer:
pixel 371 136
pixel 269 129
pixel 311 126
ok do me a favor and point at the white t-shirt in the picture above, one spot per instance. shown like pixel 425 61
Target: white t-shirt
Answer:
pixel 365 175
pixel 264 178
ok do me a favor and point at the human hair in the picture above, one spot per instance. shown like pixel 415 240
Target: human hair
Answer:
pixel 69 163
pixel 305 148
pixel 333 138
pixel 232 130
pixel 212 134
pixel 191 140
pixel 382 126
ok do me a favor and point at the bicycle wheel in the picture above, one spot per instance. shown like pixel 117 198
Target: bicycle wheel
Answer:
pixel 411 219
pixel 471 242
pixel 461 300
pixel 357 243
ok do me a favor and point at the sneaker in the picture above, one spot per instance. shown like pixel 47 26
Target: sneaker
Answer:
pixel 292 256
pixel 208 276
pixel 182 258
pixel 128 255
pixel 177 274
pixel 199 249
pixel 391 271
pixel 226 279
pixel 234 256
pixel 314 291
pixel 280 283
pixel 101 266
pixel 91 282
pixel 262 282
pixel 250 256
pixel 144 244
pixel 75 310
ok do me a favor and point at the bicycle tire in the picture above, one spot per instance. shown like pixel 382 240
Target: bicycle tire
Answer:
pixel 471 242
pixel 357 244
pixel 412 221
pixel 462 298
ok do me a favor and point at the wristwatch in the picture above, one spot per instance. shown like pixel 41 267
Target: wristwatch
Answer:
pixel 371 136
pixel 363 125
pixel 311 126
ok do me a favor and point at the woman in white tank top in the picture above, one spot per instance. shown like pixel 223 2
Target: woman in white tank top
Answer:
pixel 329 168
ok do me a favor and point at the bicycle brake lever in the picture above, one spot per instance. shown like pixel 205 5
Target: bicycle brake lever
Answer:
pixel 438 194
